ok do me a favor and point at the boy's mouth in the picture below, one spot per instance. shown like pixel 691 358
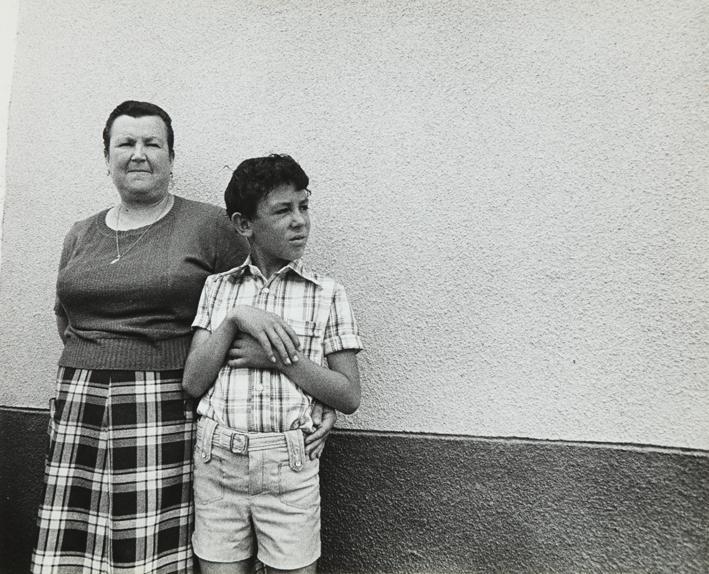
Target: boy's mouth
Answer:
pixel 299 239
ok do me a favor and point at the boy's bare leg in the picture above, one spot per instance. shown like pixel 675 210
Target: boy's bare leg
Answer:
pixel 241 567
pixel 310 569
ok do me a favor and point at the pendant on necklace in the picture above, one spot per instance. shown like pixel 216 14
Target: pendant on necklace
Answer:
pixel 116 259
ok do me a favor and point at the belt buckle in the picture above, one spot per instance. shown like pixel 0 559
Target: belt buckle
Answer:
pixel 242 443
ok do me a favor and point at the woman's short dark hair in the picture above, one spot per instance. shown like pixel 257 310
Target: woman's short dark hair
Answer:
pixel 136 109
pixel 255 178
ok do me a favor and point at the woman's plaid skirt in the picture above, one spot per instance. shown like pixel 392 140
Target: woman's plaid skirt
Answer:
pixel 118 477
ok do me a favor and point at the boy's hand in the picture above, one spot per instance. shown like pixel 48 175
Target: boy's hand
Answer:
pixel 270 330
pixel 324 419
pixel 246 351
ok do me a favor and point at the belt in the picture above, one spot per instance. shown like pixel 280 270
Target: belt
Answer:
pixel 210 434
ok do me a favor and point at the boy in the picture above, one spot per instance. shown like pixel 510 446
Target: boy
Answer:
pixel 293 339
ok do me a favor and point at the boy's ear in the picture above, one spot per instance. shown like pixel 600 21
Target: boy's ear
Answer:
pixel 242 224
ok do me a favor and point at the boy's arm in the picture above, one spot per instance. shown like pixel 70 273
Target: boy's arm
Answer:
pixel 208 349
pixel 206 357
pixel 336 386
pixel 245 352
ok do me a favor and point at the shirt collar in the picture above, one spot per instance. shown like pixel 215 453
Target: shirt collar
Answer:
pixel 247 266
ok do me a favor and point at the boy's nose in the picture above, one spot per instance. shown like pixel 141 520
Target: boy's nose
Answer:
pixel 298 219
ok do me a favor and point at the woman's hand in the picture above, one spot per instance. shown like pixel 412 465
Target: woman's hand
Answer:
pixel 246 352
pixel 324 419
pixel 272 332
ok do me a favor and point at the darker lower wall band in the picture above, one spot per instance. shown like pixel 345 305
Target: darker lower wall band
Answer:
pixel 408 503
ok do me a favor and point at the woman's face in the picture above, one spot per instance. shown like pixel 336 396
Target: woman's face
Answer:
pixel 139 158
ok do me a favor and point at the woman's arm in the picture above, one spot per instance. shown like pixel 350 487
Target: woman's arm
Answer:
pixel 62 325
pixel 324 419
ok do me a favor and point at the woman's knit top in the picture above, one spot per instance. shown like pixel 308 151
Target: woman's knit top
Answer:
pixel 136 313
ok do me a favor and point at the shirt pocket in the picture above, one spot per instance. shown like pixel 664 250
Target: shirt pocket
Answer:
pixel 310 335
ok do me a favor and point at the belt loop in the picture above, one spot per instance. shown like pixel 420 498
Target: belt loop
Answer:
pixel 296 449
pixel 208 427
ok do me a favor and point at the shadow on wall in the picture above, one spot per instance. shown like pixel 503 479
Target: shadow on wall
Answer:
pixel 411 503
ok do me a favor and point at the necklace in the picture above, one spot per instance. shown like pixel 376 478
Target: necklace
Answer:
pixel 132 245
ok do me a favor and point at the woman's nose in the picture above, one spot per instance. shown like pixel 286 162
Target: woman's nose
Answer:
pixel 138 153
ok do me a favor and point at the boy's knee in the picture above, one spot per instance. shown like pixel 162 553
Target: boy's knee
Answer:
pixel 241 567
pixel 309 569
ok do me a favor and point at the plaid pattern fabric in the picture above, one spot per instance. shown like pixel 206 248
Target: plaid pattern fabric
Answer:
pixel 262 400
pixel 118 476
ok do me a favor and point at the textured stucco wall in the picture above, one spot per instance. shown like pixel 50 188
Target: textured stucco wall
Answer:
pixel 400 503
pixel 420 504
pixel 514 194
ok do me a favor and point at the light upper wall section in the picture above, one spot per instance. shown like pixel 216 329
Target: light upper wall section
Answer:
pixel 514 194
pixel 8 37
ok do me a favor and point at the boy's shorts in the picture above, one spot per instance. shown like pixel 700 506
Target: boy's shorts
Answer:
pixel 255 493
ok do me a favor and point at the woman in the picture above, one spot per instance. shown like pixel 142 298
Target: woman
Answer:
pixel 118 479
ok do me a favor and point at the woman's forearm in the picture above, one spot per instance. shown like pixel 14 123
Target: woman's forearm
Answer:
pixel 62 326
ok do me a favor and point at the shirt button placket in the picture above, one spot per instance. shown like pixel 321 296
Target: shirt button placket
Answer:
pixel 263 297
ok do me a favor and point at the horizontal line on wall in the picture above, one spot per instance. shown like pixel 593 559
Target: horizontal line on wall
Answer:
pixel 32 410
pixel 633 447
pixel 28 410
pixel 637 447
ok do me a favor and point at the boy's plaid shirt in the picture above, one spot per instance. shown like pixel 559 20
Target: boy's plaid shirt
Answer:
pixel 315 306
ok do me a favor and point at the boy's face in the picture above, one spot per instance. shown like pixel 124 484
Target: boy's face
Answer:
pixel 279 230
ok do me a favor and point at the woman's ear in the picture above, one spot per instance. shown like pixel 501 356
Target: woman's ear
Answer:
pixel 242 224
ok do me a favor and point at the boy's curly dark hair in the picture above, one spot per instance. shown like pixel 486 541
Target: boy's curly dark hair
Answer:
pixel 254 178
